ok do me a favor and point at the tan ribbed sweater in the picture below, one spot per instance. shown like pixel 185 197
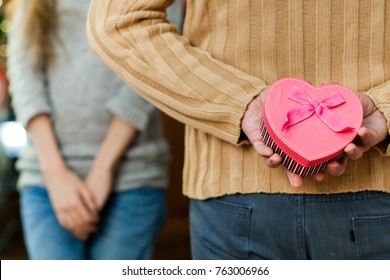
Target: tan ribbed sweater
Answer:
pixel 230 51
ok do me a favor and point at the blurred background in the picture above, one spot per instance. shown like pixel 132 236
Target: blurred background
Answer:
pixel 173 242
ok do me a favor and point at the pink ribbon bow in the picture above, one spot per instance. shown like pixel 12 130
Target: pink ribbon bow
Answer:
pixel 321 108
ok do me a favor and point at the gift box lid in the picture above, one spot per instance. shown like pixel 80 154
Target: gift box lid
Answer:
pixel 311 124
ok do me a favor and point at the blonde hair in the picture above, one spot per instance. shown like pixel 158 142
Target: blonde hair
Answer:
pixel 40 30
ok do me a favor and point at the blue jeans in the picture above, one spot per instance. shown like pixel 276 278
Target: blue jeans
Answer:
pixel 282 226
pixel 128 227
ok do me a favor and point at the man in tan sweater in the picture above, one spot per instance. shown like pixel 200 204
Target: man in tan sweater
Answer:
pixel 243 205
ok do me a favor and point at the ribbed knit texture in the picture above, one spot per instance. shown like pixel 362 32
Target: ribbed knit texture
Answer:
pixel 234 50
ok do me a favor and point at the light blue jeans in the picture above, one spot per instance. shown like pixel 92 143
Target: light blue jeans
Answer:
pixel 282 226
pixel 128 227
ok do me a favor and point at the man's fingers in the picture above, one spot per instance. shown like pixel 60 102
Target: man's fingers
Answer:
pixel 319 176
pixel 336 168
pixel 364 140
pixel 262 149
pixel 295 180
pixel 353 151
pixel 363 132
pixel 274 160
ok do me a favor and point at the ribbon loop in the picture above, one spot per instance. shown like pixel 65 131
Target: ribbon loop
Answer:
pixel 320 108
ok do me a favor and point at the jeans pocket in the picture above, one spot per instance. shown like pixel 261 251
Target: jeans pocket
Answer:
pixel 220 229
pixel 372 237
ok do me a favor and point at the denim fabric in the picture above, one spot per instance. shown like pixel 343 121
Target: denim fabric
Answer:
pixel 128 227
pixel 283 226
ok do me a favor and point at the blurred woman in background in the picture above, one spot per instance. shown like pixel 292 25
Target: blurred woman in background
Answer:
pixel 93 178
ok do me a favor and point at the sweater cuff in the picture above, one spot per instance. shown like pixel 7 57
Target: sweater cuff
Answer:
pixel 25 114
pixel 135 111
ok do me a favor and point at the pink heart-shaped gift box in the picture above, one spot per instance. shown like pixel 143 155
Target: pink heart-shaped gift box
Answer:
pixel 309 126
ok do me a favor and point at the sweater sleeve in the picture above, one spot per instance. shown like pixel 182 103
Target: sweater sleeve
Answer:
pixel 27 87
pixel 136 40
pixel 381 97
pixel 131 107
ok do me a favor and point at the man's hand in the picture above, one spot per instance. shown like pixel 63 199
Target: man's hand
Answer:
pixel 251 127
pixel 372 132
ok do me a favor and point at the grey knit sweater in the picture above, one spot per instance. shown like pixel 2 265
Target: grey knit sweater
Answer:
pixel 82 96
